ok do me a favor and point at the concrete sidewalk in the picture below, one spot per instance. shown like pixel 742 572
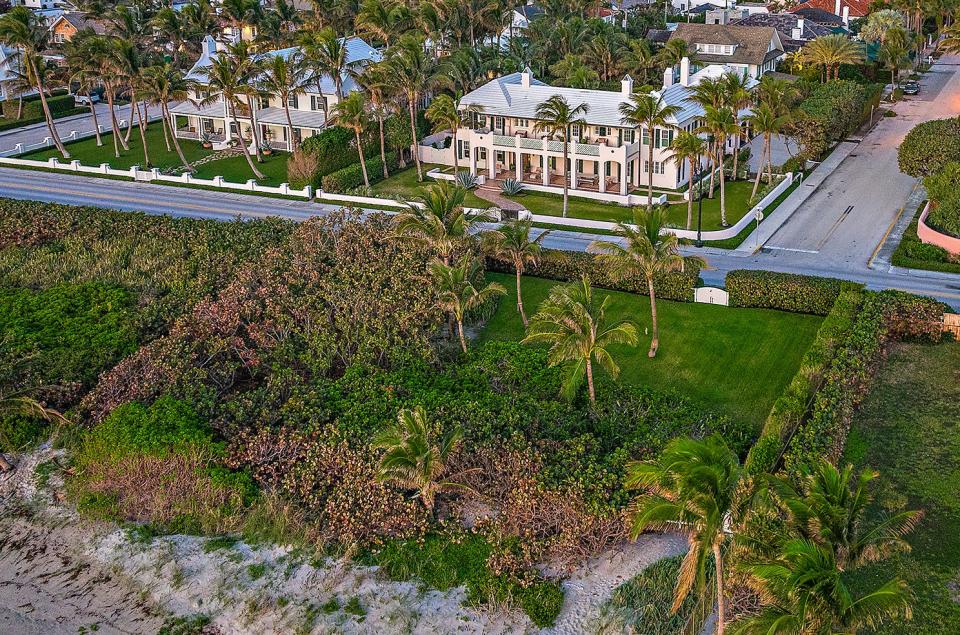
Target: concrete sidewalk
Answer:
pixel 797 198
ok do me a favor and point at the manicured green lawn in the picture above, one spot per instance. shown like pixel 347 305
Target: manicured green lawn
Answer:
pixel 738 196
pixel 909 430
pixel 87 152
pixel 237 170
pixel 552 205
pixel 737 361
pixel 404 184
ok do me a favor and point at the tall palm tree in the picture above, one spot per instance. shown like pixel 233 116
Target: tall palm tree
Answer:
pixel 127 62
pixel 374 81
pixel 720 123
pixel 830 508
pixel 764 120
pixel 448 113
pixel 894 55
pixel 20 29
pixel 164 84
pixel 637 60
pixel 332 55
pixel 412 73
pixel 228 78
pixel 690 486
pixel 383 20
pixel 688 147
pixel 351 113
pixel 709 92
pixel 512 242
pixel 83 71
pixel 830 52
pixel 556 116
pixel 737 95
pixel 951 39
pixel 285 77
pixel 648 110
pixel 807 593
pixel 456 292
pixel 100 50
pixel 413 459
pixel 575 325
pixel 439 221
pixel 643 249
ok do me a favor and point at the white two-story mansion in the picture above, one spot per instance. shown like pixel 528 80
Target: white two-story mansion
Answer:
pixel 194 119
pixel 607 159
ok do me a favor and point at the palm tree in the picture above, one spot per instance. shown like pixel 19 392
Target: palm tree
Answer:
pixel 448 113
pixel 127 65
pixel 83 71
pixel 737 96
pixel 643 250
pixel 457 293
pixel 165 84
pixel 383 20
pixel 830 508
pixel 951 39
pixel 228 78
pixel 351 113
pixel 648 110
pixel 412 71
pixel 331 53
pixel 688 147
pixel 374 80
pixel 100 51
pixel 894 56
pixel 764 120
pixel 285 77
pixel 575 324
pixel 413 459
pixel 830 52
pixel 555 116
pixel 807 593
pixel 439 221
pixel 709 92
pixel 512 242
pixel 637 61
pixel 20 29
pixel 690 486
pixel 720 123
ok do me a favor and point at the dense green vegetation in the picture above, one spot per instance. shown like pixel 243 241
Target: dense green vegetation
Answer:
pixel 739 360
pixel 907 429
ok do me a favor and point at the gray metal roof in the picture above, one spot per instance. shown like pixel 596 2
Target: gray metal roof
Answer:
pixel 214 109
pixel 300 118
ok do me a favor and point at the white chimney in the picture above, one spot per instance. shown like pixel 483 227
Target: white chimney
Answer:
pixel 209 45
pixel 836 7
pixel 800 23
pixel 668 77
pixel 685 71
pixel 846 15
pixel 626 86
pixel 796 33
pixel 525 77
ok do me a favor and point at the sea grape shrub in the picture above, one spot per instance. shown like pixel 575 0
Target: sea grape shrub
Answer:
pixel 342 291
pixel 334 483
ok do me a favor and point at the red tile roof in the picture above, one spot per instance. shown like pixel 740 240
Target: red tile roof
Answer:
pixel 858 8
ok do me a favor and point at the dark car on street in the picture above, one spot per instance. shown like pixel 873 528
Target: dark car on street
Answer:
pixel 910 88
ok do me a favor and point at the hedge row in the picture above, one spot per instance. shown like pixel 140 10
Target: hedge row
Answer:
pixel 793 406
pixel 782 291
pixel 352 176
pixel 884 317
pixel 557 264
pixel 33 109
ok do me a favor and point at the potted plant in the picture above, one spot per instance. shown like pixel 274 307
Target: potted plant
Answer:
pixel 265 149
pixel 205 141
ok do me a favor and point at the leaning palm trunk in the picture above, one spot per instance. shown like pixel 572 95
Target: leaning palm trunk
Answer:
pixel 713 165
pixel 693 175
pixel 286 110
pixel 736 156
pixel 413 142
pixel 655 342
pixel 96 123
pixel 383 148
pixel 20 107
pixel 166 129
pixel 142 126
pixel 593 394
pixel 721 601
pixel 133 105
pixel 46 113
pixel 243 146
pixel 518 267
pixel 769 161
pixel 253 132
pixel 723 193
pixel 363 162
pixel 176 142
pixel 567 164
pixel 463 338
pixel 756 182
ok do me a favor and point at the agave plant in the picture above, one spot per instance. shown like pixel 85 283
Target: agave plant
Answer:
pixel 511 187
pixel 466 180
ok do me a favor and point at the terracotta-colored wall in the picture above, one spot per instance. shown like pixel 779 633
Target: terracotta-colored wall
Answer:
pixel 930 236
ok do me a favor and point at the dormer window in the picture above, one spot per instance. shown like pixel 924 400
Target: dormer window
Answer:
pixel 716 49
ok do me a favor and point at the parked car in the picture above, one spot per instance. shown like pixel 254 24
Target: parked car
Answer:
pixel 85 100
pixel 910 88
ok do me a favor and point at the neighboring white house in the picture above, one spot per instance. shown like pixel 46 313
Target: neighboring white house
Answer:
pixel 10 74
pixel 520 18
pixel 307 111
pixel 606 156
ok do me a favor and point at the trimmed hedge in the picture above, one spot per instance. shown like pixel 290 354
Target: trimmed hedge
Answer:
pixel 793 406
pixel 885 316
pixel 352 175
pixel 840 105
pixel 567 266
pixel 782 291
pixel 929 147
pixel 33 109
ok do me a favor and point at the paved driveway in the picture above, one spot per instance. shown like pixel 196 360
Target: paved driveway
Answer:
pixel 842 223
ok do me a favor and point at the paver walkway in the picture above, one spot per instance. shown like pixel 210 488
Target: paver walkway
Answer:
pixel 490 191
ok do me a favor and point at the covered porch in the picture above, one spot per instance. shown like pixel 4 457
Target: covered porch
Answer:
pixel 543 170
